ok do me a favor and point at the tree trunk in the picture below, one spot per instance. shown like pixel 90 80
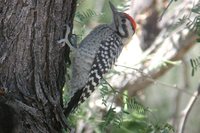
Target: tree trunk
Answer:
pixel 32 63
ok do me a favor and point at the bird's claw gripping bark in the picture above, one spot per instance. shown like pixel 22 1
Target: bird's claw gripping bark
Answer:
pixel 70 40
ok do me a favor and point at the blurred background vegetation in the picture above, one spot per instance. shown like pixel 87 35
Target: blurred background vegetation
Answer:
pixel 157 107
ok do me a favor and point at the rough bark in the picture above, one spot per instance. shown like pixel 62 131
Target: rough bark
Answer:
pixel 32 64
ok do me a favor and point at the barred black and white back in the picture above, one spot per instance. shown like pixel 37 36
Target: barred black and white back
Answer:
pixel 106 56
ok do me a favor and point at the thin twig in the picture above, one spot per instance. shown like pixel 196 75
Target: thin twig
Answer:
pixel 187 110
pixel 180 94
pixel 114 90
pixel 148 77
pixel 165 10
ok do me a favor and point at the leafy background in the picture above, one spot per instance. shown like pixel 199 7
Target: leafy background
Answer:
pixel 157 108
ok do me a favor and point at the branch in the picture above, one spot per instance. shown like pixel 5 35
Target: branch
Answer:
pixel 171 45
pixel 187 110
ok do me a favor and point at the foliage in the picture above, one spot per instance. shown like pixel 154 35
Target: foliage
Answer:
pixel 195 63
pixel 131 117
pixel 194 25
pixel 83 16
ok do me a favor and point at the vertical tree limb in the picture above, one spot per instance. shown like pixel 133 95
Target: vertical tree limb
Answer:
pixel 32 64
pixel 187 110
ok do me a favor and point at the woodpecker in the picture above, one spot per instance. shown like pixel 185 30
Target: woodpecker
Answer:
pixel 96 54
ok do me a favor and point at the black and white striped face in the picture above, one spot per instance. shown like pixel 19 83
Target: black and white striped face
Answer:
pixel 124 24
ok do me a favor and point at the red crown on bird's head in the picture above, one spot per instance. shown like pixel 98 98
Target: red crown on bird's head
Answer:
pixel 131 20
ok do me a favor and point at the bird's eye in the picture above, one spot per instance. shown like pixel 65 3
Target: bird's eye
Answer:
pixel 123 20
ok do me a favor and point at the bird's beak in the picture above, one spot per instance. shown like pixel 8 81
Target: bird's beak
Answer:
pixel 114 10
